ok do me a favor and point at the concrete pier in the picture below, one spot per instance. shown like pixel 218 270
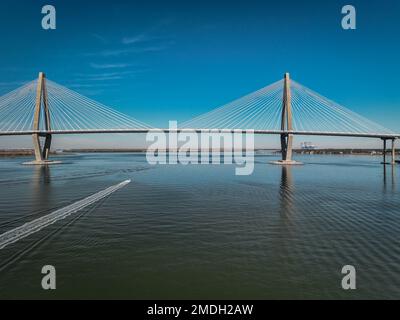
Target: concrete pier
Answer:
pixel 392 152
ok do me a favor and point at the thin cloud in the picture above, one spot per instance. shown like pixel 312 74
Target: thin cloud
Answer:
pixel 149 35
pixel 92 93
pixel 105 76
pixel 110 66
pixel 108 53
pixel 100 38
pixel 101 78
pixel 120 52
pixel 139 43
pixel 137 39
pixel 85 86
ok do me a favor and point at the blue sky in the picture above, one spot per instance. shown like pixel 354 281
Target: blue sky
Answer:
pixel 161 60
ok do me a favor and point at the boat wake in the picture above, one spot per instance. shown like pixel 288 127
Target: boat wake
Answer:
pixel 29 228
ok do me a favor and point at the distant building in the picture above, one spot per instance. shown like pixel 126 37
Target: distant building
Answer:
pixel 308 146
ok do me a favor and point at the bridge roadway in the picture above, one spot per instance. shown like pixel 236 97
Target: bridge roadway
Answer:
pixel 279 132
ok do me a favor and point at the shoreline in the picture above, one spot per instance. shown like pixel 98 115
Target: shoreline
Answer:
pixel 328 151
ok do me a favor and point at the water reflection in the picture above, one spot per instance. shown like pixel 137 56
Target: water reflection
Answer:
pixel 42 175
pixel 41 188
pixel 286 193
pixel 389 177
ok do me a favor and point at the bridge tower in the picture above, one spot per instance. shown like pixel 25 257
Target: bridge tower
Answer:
pixel 286 125
pixel 286 121
pixel 41 109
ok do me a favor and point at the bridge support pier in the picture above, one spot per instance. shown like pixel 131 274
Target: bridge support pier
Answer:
pixel 286 125
pixel 393 151
pixel 384 152
pixel 41 106
pixel 286 147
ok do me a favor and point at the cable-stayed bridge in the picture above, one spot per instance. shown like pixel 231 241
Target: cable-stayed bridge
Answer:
pixel 43 108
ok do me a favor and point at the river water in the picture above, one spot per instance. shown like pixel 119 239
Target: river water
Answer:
pixel 200 231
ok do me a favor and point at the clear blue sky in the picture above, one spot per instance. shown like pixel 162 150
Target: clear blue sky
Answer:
pixel 161 60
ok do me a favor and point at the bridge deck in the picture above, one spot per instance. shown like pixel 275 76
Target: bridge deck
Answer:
pixel 279 132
